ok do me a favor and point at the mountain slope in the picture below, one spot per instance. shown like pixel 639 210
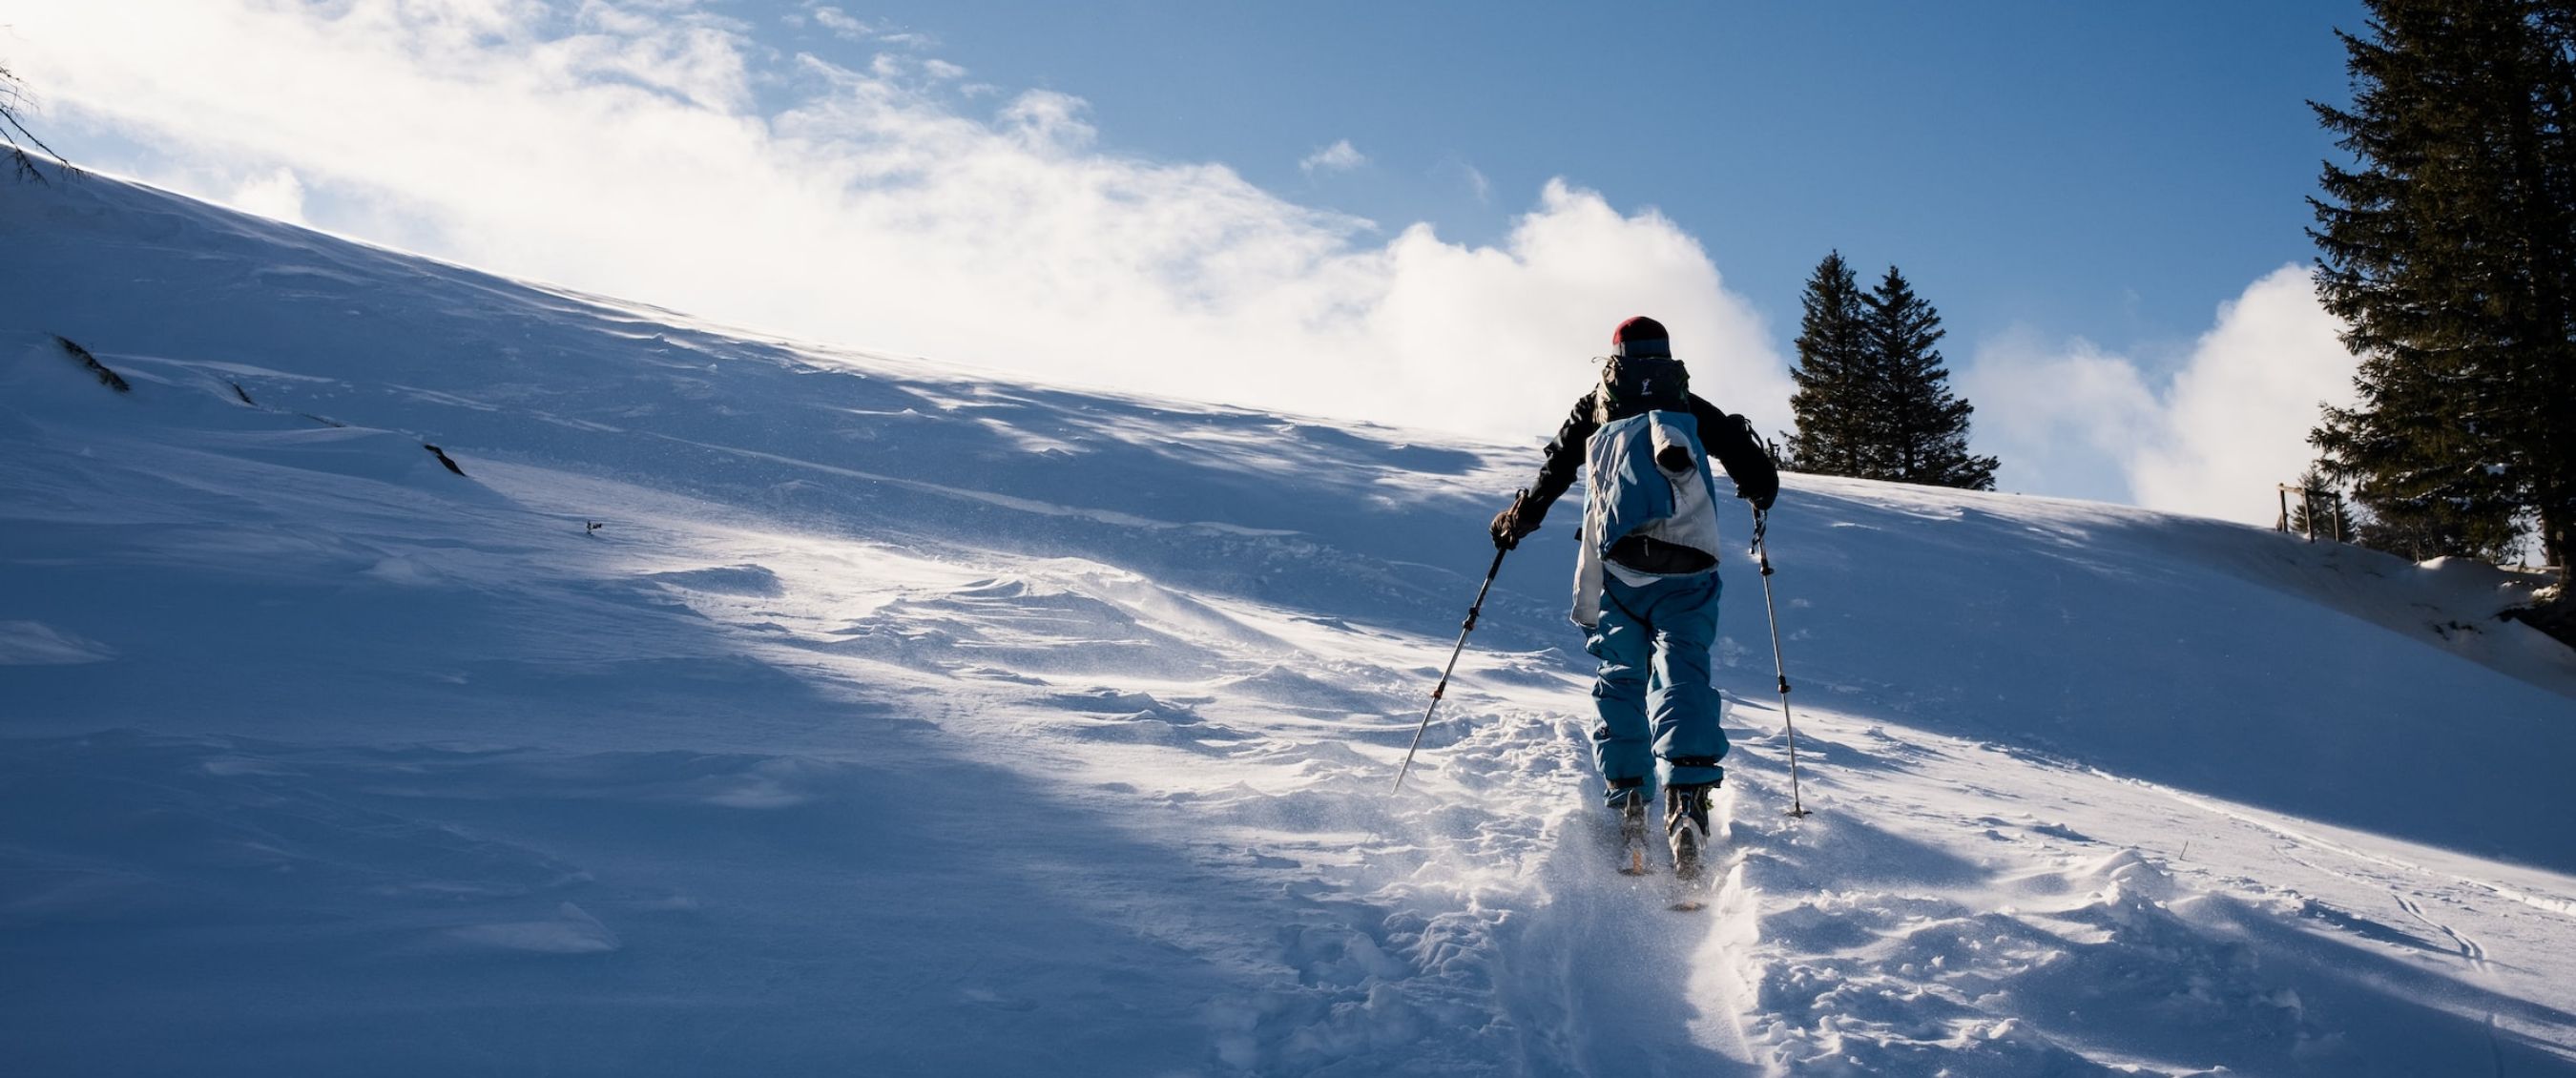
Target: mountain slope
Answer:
pixel 913 719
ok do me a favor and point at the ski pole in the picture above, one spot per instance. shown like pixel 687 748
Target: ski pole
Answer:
pixel 1762 554
pixel 1443 687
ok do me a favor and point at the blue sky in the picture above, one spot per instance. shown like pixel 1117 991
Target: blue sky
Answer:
pixel 2112 171
pixel 1415 214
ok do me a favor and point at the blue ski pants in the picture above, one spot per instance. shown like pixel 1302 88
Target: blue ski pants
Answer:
pixel 1659 715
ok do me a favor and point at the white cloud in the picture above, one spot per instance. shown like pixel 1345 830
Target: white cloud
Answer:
pixel 842 24
pixel 849 27
pixel 1338 157
pixel 615 147
pixel 2240 412
pixel 1476 181
pixel 2064 419
pixel 2213 441
pixel 277 195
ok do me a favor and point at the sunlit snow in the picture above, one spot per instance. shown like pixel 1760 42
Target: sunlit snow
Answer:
pixel 757 706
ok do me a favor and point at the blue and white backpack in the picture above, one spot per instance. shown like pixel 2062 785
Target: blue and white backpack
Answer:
pixel 1651 489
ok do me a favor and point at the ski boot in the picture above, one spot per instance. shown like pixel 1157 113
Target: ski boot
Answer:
pixel 1632 832
pixel 1686 828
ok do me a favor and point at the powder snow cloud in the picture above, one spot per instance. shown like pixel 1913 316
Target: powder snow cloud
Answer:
pixel 617 148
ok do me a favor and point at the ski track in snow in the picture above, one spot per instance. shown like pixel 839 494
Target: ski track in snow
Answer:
pixel 954 726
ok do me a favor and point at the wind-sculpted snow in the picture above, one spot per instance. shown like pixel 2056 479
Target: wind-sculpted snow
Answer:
pixel 752 706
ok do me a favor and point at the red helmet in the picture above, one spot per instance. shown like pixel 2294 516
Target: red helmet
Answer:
pixel 1640 336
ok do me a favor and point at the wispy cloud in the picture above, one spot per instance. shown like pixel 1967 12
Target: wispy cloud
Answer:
pixel 841 24
pixel 2213 440
pixel 849 27
pixel 1338 157
pixel 616 148
pixel 1476 182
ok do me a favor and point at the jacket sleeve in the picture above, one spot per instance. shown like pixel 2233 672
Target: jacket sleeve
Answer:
pixel 1564 459
pixel 1731 441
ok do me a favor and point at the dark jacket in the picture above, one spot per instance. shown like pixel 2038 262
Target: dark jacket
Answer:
pixel 1724 436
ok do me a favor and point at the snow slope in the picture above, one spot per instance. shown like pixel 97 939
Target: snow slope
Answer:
pixel 899 718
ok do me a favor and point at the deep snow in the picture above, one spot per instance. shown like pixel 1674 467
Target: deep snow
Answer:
pixel 900 718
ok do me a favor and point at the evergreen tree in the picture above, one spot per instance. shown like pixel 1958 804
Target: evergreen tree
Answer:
pixel 2449 250
pixel 1831 402
pixel 1873 399
pixel 13 101
pixel 1917 430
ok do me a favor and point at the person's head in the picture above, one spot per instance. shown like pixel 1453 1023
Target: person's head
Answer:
pixel 1640 336
pixel 1640 373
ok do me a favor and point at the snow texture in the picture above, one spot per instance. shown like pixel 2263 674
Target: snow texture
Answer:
pixel 757 706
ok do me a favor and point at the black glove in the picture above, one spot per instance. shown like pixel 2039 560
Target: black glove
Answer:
pixel 1513 524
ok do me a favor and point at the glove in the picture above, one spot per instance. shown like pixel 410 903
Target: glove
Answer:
pixel 1510 528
